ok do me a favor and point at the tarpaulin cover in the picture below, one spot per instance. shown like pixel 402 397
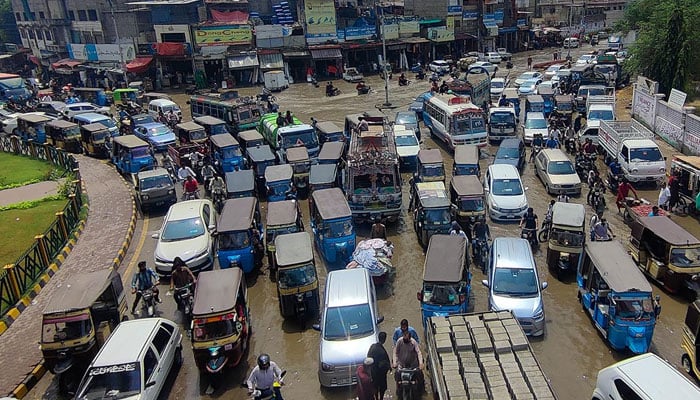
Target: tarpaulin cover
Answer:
pixel 66 63
pixel 237 17
pixel 139 65
pixel 374 255
pixel 170 49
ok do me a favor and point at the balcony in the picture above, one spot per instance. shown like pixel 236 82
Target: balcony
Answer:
pixel 87 26
pixel 563 3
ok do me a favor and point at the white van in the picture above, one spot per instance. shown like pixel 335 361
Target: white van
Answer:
pixel 155 107
pixel 571 42
pixel 644 377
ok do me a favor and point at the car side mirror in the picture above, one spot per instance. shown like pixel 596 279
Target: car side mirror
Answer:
pixel 155 235
pixel 150 383
pixel 316 327
pixel 527 188
pixel 544 285
pixel 380 319
pixel 485 282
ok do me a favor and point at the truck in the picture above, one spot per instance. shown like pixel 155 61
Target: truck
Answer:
pixel 601 107
pixel 372 180
pixel 476 84
pixel 615 43
pixel 502 123
pixel 281 138
pixel 483 356
pixel 608 66
pixel 633 146
pixel 275 81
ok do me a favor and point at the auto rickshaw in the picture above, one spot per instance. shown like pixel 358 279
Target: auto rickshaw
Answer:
pixel 65 135
pixel 332 153
pixel 466 160
pixel 513 98
pixel 564 104
pixel 667 253
pixel 467 198
pixel 431 210
pixel 78 320
pixel 240 234
pixel 129 94
pixel 220 319
pixel 213 126
pixel 691 340
pixel 547 94
pixel 430 166
pixel 446 278
pixel 240 184
pixel 617 296
pixel 565 237
pixel 278 182
pixel 323 176
pixel 689 181
pixel 298 158
pixel 131 154
pixel 189 132
pixel 283 217
pixel 93 95
pixel 297 281
pixel 259 159
pixel 32 127
pixel 534 103
pixel 226 152
pixel 249 139
pixel 331 223
pixel 96 140
pixel 328 132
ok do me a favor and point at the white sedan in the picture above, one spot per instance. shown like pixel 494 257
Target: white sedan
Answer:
pixel 407 146
pixel 586 59
pixel 489 67
pixel 439 66
pixel 497 86
pixel 529 86
pixel 552 70
pixel 527 76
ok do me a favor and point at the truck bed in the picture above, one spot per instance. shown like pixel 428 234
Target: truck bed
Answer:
pixel 483 356
pixel 612 134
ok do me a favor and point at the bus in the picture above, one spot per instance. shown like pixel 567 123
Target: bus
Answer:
pixel 12 87
pixel 240 113
pixel 455 120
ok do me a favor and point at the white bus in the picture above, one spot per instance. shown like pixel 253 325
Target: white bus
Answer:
pixel 455 120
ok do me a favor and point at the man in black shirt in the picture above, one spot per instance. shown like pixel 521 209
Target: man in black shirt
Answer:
pixel 529 221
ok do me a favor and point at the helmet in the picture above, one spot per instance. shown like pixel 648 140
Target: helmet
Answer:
pixel 263 361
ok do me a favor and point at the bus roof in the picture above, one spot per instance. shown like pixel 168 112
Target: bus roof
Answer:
pixel 454 103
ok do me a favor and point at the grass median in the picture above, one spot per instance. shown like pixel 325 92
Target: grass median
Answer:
pixel 19 170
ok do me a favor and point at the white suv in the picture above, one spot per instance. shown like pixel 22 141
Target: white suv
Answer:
pixel 74 109
pixel 505 194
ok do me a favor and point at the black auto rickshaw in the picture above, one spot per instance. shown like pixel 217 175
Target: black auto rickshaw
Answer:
pixel 190 132
pixel 564 104
pixel 467 198
pixel 65 135
pixel 78 320
pixel 250 138
pixel 298 158
pixel 466 160
pixel 691 340
pixel 328 132
pixel 430 168
pixel 220 319
pixel 297 280
pixel 259 158
pixel 283 217
pixel 566 236
pixel 332 153
pixel 96 140
pixel 323 176
pixel 240 184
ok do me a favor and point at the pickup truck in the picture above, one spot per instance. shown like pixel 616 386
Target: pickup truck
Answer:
pixel 505 55
pixel 600 107
pixel 483 356
pixel 351 74
pixel 633 146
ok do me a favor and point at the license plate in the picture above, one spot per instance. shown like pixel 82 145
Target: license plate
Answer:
pixel 510 216
pixel 228 346
pixel 160 203
pixel 344 381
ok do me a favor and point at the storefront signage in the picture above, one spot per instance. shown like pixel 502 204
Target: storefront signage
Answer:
pixel 408 27
pixel 470 15
pixel 228 35
pixel 498 16
pixel 450 22
pixel 101 52
pixel 359 33
pixel 522 22
pixel 441 34
pixel 508 29
pixel 391 31
pixel 454 10
pixel 320 19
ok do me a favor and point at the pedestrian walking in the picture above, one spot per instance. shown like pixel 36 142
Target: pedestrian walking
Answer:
pixel 365 387
pixel 529 62
pixel 664 196
pixel 381 366
pixel 674 187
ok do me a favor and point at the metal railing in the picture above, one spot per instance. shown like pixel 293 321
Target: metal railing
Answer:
pixel 18 278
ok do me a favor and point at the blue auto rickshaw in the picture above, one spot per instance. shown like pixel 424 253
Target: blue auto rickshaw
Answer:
pixel 331 153
pixel 131 155
pixel 226 153
pixel 240 234
pixel 250 139
pixel 32 127
pixel 259 158
pixel 466 160
pixel 446 277
pixel 513 98
pixel 331 223
pixel 278 182
pixel 93 95
pixel 328 132
pixel 323 176
pixel 617 296
pixel 240 184
pixel 548 98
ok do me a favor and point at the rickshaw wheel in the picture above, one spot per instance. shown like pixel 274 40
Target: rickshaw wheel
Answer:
pixel 687 366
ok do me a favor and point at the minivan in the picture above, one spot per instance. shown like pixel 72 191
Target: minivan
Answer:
pixel 505 194
pixel 535 124
pixel 557 172
pixel 348 325
pixel 644 377
pixel 157 106
pixel 513 283
pixel 134 361
pixel 93 118
pixel 571 42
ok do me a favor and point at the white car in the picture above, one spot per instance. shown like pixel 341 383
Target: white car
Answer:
pixel 186 233
pixel 489 67
pixel 552 70
pixel 10 124
pixel 559 74
pixel 439 66
pixel 535 123
pixel 525 76
pixel 557 172
pixel 529 86
pixel 586 59
pixel 497 86
pixel 6 117
pixel 407 146
pixel 493 57
pixel 505 194
pixel 81 108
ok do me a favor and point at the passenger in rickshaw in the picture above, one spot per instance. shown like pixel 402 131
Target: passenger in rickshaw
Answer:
pixel 623 192
pixel 456 230
pixel 288 119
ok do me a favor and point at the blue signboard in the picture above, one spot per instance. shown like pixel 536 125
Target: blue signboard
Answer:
pixel 454 9
pixel 522 22
pixel 508 29
pixel 470 15
pixel 364 32
pixel 498 16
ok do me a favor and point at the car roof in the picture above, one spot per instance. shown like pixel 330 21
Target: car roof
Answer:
pixel 162 102
pixel 512 142
pixel 439 62
pixel 91 116
pixel 347 287
pixel 85 103
pixel 503 171
pixel 185 209
pixel 555 155
pixel 510 253
pixel 127 342
pixel 293 248
pixel 649 371
pixel 535 114
pixel 150 125
pixel 498 80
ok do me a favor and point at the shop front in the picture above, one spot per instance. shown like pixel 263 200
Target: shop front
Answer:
pixel 296 64
pixel 270 60
pixel 174 64
pixel 243 69
pixel 213 60
pixel 362 56
pixel 328 61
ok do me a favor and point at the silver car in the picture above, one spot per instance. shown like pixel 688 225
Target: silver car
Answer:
pixel 514 285
pixel 557 172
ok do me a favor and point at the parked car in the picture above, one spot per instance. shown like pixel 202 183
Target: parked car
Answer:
pixel 409 120
pixel 525 76
pixel 351 74
pixel 511 152
pixel 505 55
pixel 156 134
pixel 586 59
pixel 505 194
pixel 439 66
pixel 529 86
pixel 497 86
pixel 552 70
pixel 74 109
pixel 52 108
pixel 557 172
pixel 489 67
pixel 494 57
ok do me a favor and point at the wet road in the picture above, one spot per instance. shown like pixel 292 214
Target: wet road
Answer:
pixel 570 353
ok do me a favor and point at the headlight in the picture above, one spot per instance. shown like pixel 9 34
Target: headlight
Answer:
pixel 327 367
pixel 200 254
pixel 171 191
pixel 635 170
pixel 662 170
pixel 162 261
pixel 539 314
pixel 145 197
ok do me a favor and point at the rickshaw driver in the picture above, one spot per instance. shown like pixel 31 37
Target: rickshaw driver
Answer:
pixel 263 378
pixel 145 279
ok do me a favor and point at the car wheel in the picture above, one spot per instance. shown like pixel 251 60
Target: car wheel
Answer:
pixel 178 356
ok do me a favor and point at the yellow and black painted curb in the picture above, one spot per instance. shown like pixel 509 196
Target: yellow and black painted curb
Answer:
pixel 30 381
pixel 129 233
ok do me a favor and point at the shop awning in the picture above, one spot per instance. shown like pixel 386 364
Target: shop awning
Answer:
pixel 291 54
pixel 66 63
pixel 271 61
pixel 241 62
pixel 325 54
pixel 139 65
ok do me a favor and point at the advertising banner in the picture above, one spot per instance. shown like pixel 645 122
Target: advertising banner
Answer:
pixel 450 22
pixel 320 18
pixel 409 27
pixel 364 32
pixel 454 10
pixel 101 52
pixel 226 35
pixel 470 15
pixel 391 31
pixel 498 16
pixel 441 34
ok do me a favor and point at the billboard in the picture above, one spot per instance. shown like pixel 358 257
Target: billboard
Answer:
pixel 320 18
pixel 409 27
pixel 223 35
pixel 101 52
pixel 441 34
pixel 360 33
pixel 391 31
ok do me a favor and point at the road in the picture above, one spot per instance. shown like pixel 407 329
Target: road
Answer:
pixel 571 352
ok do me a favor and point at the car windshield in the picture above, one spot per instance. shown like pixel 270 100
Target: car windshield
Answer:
pixel 508 152
pixel 406 118
pixel 526 76
pixel 507 187
pixel 304 138
pixel 182 229
pixel 406 140
pixel 685 257
pixel 233 240
pixel 348 322
pixel 553 68
pixel 441 294
pixel 636 309
pixel 560 168
pixel 338 229
pixel 440 216
pixel 646 154
pixel 502 117
pixel 65 329
pixel 515 282
pixel 497 84
pixel 143 119
pixel 159 130
pixel 288 278
pixel 152 182
pixel 113 382
pixel 602 115
pixel 596 91
pixel 213 328
pixel 536 123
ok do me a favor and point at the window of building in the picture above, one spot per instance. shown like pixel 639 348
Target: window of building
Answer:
pixel 47 35
pixel 92 15
pixel 30 33
pixel 41 15
pixel 18 16
pixel 82 15
pixel 26 17
pixel 23 33
pixel 32 16
pixel 71 15
pixel 39 35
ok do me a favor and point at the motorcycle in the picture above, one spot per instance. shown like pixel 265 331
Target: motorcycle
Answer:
pixel 613 181
pixel 417 68
pixel 363 90
pixel 535 150
pixel 420 75
pixel 543 234
pixel 268 394
pixel 407 383
pixel 334 92
pixel 184 297
pixel 148 302
pixel 218 197
pixel 404 82
pixel 190 195
pixel 481 251
pixel 531 236
pixel 570 145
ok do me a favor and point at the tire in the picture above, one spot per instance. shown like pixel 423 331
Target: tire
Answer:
pixel 178 356
pixel 543 235
pixel 687 365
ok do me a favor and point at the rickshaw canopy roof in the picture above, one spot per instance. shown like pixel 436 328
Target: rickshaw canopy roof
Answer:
pixel 693 161
pixel 545 91
pixel 224 140
pixel 467 185
pixel 327 127
pixel 432 194
pixel 62 124
pixel 275 173
pixel 331 203
pixel 208 120
pixel 96 127
pixel 240 181
pixel 189 126
pixel 156 95
pixel 237 214
pixel 158 171
pixel 564 98
pixel 88 89
pixel 535 98
pixel 260 153
pixel 293 248
pixel 125 90
pixel 281 213
pixel 34 118
pixel 430 156
pixel 297 154
pixel 217 291
pixel 331 151
pixel 129 141
pixel 322 173
pixel 664 228
pixel 249 135
pixel 82 291
pixel 445 259
pixel 466 154
pixel 568 214
pixel 616 267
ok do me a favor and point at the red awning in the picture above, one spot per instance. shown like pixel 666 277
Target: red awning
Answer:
pixel 238 17
pixel 139 65
pixel 170 49
pixel 66 63
pixel 34 59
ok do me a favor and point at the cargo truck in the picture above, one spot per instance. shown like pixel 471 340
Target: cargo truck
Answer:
pixel 633 146
pixel 281 138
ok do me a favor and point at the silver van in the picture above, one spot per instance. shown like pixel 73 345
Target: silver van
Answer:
pixel 348 325
pixel 514 285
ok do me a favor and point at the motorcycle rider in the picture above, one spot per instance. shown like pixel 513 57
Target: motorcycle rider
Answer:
pixel 208 173
pixel 407 354
pixel 145 279
pixel 529 223
pixel 589 147
pixel 172 118
pixel 537 143
pixel 263 378
pixel 181 277
pixel 402 80
pixel 622 192
pixel 218 187
pixel 552 142
pixel 481 232
pixel 191 186
pixel 563 198
pixel 602 231
pixel 330 89
pixel 404 327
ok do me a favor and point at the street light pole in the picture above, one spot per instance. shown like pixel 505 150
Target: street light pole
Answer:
pixel 384 63
pixel 119 46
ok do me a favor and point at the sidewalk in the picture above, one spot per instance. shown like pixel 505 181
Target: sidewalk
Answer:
pixel 102 239
pixel 35 191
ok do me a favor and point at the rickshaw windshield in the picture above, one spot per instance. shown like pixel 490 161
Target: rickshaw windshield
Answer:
pixel 231 152
pixel 234 240
pixel 117 381
pixel 437 216
pixel 72 132
pixel 301 168
pixel 441 294
pixel 182 229
pixel 279 188
pixel 564 106
pixel 215 327
pixel 140 152
pixel 466 170
pixel 471 205
pixel 296 277
pixel 99 136
pixel 338 229
pixel 218 129
pixel 155 182
pixel 433 170
pixel 685 257
pixel 567 238
pixel 348 322
pixel 64 329
pixel 197 135
pixel 515 282
pixel 634 308
pixel 272 233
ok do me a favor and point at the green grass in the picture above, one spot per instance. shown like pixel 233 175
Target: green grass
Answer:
pixel 18 169
pixel 20 227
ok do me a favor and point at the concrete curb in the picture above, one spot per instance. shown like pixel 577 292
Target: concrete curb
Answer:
pixel 30 381
pixel 130 232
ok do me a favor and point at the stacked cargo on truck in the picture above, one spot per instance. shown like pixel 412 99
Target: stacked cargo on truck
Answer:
pixel 634 148
pixel 281 138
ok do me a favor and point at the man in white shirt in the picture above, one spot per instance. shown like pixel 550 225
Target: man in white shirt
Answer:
pixel 664 196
